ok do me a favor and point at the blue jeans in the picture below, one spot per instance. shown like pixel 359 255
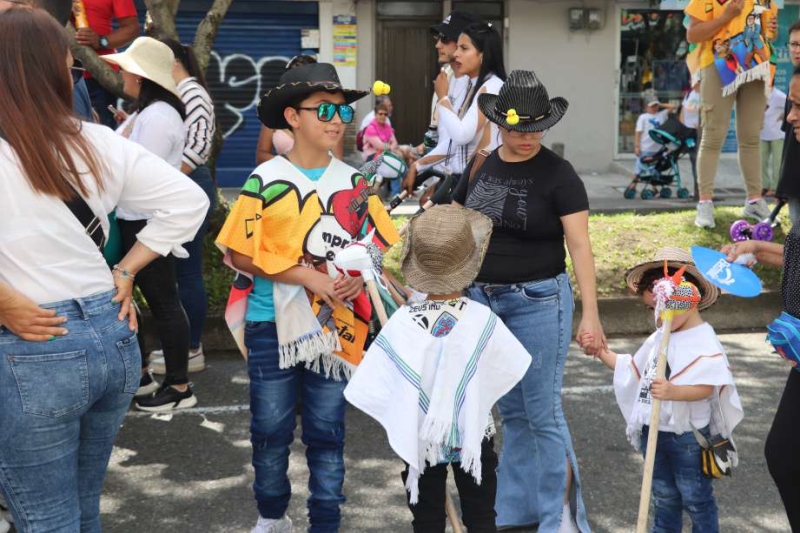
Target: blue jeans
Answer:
pixel 189 271
pixel 532 476
pixel 274 392
pixel 679 483
pixel 62 405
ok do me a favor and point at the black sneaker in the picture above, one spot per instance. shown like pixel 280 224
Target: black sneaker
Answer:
pixel 167 398
pixel 147 385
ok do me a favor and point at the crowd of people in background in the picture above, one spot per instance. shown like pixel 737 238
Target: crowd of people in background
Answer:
pixel 123 199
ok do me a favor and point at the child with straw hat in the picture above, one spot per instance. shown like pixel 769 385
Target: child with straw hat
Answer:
pixel 433 374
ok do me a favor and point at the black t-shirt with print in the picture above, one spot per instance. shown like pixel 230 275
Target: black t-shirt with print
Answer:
pixel 525 201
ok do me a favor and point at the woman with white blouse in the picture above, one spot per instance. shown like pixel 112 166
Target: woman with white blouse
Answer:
pixel 463 129
pixel 200 129
pixel 157 124
pixel 63 400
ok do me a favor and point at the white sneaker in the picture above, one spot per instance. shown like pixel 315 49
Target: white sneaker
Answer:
pixel 272 525
pixel 197 362
pixel 155 354
pixel 758 210
pixel 5 527
pixel 705 215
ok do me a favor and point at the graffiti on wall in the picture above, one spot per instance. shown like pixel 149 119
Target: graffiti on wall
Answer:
pixel 236 83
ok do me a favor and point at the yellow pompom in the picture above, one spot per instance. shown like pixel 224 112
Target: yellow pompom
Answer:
pixel 380 88
pixel 511 117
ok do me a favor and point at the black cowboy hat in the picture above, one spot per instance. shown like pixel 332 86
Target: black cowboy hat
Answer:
pixel 454 24
pixel 527 97
pixel 298 83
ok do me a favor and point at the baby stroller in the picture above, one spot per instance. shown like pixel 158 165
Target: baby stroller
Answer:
pixel 661 169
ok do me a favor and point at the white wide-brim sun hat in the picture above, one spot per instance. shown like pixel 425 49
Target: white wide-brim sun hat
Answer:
pixel 150 59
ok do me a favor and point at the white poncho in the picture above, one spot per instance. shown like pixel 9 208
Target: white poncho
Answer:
pixel 434 395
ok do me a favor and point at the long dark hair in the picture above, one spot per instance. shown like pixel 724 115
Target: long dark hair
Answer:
pixel 487 41
pixel 36 116
pixel 184 54
pixel 151 92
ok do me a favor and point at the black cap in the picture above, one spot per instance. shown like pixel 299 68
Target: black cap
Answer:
pixel 454 24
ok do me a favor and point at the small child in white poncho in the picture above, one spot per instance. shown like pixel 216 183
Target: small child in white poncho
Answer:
pixel 436 369
pixel 697 394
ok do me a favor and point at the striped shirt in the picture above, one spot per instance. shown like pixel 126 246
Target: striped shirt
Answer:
pixel 199 122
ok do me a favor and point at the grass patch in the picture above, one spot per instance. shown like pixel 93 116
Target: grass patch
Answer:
pixel 623 240
pixel 619 241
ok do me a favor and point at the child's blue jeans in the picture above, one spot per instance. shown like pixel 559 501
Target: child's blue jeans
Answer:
pixel 274 392
pixel 679 483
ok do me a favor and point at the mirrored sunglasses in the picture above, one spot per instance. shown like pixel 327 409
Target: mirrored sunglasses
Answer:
pixel 326 111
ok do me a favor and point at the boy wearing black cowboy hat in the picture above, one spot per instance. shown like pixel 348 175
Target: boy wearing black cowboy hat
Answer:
pixel 305 325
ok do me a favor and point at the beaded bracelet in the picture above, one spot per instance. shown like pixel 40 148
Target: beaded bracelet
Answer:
pixel 124 274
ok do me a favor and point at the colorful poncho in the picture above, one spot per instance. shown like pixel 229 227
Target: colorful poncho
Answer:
pixel 434 395
pixel 281 220
pixel 741 51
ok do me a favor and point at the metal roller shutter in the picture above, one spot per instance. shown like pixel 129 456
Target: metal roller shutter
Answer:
pixel 254 42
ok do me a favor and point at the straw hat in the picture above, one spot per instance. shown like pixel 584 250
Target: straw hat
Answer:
pixel 444 249
pixel 150 59
pixel 676 258
pixel 523 104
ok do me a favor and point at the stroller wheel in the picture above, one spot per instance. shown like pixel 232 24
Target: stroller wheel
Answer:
pixel 740 231
pixel 630 193
pixel 647 194
pixel 763 231
pixel 683 193
pixel 665 192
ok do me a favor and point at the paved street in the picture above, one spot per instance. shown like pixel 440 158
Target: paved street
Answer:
pixel 191 472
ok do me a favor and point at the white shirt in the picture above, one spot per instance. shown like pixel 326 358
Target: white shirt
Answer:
pixel 691 109
pixel 368 120
pixel 44 250
pixel 160 129
pixel 773 116
pixel 645 123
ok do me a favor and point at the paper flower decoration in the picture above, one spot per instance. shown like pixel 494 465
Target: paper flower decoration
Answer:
pixel 511 117
pixel 380 88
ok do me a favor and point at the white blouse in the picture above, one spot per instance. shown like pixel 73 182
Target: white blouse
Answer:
pixel 160 129
pixel 44 250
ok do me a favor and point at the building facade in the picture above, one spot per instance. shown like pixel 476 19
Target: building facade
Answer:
pixel 601 55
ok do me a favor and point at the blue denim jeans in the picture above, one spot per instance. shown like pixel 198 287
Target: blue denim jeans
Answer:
pixel 189 271
pixel 679 483
pixel 532 476
pixel 274 392
pixel 62 405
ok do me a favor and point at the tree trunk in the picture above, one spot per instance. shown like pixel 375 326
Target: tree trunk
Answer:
pixel 162 13
pixel 99 69
pixel 207 31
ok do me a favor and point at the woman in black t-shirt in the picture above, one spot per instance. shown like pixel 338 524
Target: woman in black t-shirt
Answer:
pixel 783 439
pixel 535 200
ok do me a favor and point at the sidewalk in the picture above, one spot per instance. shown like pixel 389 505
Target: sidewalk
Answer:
pixel 605 189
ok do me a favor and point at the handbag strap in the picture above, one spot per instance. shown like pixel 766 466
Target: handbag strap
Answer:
pixel 91 224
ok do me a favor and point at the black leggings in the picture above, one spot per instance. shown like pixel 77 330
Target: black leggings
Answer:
pixel 477 501
pixel 781 449
pixel 158 284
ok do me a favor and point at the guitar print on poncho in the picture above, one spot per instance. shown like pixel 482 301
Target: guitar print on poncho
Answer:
pixel 288 220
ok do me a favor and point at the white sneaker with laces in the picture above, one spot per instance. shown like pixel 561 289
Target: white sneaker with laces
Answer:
pixel 758 210
pixel 272 525
pixel 197 362
pixel 705 215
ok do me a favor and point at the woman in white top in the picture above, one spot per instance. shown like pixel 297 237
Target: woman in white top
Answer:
pixel 62 401
pixel 157 124
pixel 479 58
pixel 200 130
